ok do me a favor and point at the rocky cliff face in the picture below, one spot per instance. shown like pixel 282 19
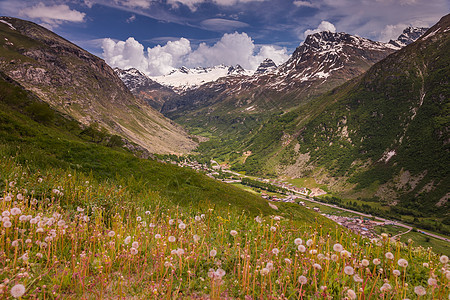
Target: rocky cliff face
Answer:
pixel 144 88
pixel 83 86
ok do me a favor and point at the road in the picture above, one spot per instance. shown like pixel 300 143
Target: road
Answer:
pixel 360 213
pixel 379 218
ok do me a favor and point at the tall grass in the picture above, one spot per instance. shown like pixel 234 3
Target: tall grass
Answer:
pixel 68 235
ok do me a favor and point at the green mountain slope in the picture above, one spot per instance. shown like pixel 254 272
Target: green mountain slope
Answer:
pixel 384 135
pixel 41 138
pixel 83 86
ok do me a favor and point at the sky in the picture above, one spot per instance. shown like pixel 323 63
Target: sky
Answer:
pixel 156 36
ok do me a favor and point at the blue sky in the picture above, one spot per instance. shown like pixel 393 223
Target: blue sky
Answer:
pixel 156 35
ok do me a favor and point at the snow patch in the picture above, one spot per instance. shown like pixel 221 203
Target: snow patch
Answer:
pixel 9 24
pixel 430 34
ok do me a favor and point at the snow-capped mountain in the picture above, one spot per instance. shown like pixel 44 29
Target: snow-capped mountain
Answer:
pixel 266 66
pixel 323 61
pixel 184 79
pixel 145 88
pixel 408 36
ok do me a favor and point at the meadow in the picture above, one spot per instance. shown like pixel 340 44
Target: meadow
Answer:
pixel 68 235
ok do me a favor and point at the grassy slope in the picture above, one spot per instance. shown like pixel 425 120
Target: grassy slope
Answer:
pixel 57 142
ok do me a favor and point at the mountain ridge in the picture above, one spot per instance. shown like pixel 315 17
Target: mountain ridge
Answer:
pixel 83 86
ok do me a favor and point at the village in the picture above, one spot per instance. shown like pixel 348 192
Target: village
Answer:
pixel 301 195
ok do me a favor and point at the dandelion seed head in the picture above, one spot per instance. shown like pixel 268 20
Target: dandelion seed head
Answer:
pixel 420 290
pixel 196 238
pixel 172 239
pixel 402 263
pixel 213 253
pixel 376 261
pixel 301 248
pixel 135 245
pixel 317 266
pixel 127 240
pixel 396 273
pixel 443 259
pixel 302 279
pixel 275 251
pixel 180 251
pixel 18 290
pixel 111 233
pixel 432 281
pixel 134 251
pixel 385 287
pixel 349 270
pixel 298 241
pixel 182 226
pixel 264 271
pixel 233 232
pixel 309 242
pixel 389 255
pixel 338 247
pixel 365 262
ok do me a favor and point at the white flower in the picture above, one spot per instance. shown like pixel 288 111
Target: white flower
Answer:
pixel 264 271
pixel 233 232
pixel 182 226
pixel 213 253
pixel 376 261
pixel 258 219
pixel 365 262
pixel 444 259
pixel 127 240
pixel 301 248
pixel 338 247
pixel 402 263
pixel 389 255
pixel 385 287
pixel 197 218
pixel 15 211
pixel 432 281
pixel 171 221
pixel 7 224
pixel 302 280
pixel 420 290
pixel 298 241
pixel 275 251
pixel 349 270
pixel 396 273
pixel 351 294
pixel 172 239
pixel 6 213
pixel 18 290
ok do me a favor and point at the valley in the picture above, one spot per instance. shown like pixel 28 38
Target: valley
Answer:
pixel 324 175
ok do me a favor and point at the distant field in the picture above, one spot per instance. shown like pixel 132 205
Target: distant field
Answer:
pixel 420 239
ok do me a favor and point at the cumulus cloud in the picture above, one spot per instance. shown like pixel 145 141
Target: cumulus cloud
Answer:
pixel 231 49
pixel 53 15
pixel 323 26
pixel 131 19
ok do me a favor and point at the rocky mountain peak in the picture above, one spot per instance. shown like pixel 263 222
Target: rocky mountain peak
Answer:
pixel 409 35
pixel 235 70
pixel 266 66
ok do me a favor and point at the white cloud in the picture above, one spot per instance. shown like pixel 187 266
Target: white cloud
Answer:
pixel 53 15
pixel 231 49
pixel 304 4
pixel 192 4
pixel 136 3
pixel 323 26
pixel 217 24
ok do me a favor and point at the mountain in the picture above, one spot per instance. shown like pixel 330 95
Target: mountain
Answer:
pixel 383 136
pixel 145 88
pixel 324 61
pixel 185 79
pixel 81 85
pixel 266 66
pixel 409 35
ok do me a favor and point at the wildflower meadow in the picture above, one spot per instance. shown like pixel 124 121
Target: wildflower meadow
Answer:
pixel 65 235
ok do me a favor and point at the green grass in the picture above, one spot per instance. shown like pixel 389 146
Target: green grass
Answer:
pixel 425 241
